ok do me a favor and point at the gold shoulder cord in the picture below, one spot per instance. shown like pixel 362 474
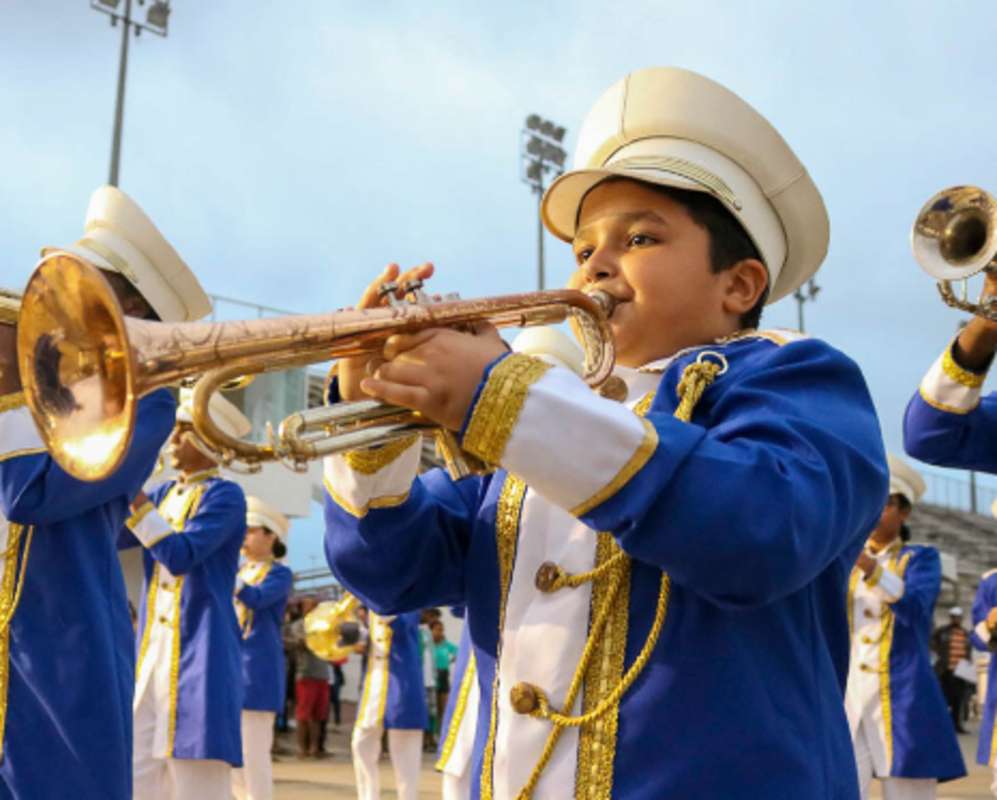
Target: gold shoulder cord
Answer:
pixel 615 567
pixel 10 597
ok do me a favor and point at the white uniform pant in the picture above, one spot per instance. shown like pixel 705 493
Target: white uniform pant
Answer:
pixel 893 788
pixel 993 786
pixel 405 747
pixel 254 780
pixel 158 778
pixel 457 787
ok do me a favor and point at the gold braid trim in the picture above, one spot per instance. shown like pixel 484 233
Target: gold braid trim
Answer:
pixel 696 377
pixel 171 732
pixel 8 402
pixel 597 742
pixel 500 404
pixel 372 460
pixel 885 646
pixel 961 375
pixel 466 684
pixel 507 515
pixel 10 597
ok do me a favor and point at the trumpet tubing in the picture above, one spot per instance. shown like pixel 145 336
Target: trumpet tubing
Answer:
pixel 84 365
pixel 955 237
pixel 10 306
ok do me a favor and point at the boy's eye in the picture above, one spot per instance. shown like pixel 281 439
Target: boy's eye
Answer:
pixel 583 254
pixel 640 240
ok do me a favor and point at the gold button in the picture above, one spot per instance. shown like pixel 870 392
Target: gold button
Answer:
pixel 163 619
pixel 165 584
pixel 547 575
pixel 614 388
pixel 524 698
pixel 869 614
pixel 866 640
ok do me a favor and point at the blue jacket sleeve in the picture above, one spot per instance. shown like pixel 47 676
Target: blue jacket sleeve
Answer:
pixel 788 475
pixel 409 556
pixel 34 490
pixel 986 598
pixel 922 582
pixel 947 439
pixel 220 516
pixel 275 588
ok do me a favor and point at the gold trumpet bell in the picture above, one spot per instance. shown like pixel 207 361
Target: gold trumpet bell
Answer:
pixel 76 369
pixel 332 629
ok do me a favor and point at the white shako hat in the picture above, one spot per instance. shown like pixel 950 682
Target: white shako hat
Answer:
pixel 672 127
pixel 224 413
pixel 905 480
pixel 266 516
pixel 552 345
pixel 119 237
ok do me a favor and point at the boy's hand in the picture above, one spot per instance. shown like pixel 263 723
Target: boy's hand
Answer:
pixel 992 619
pixel 351 371
pixel 866 563
pixel 977 342
pixel 435 371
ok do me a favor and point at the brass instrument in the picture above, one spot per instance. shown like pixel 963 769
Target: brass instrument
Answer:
pixel 84 365
pixel 10 306
pixel 332 629
pixel 955 237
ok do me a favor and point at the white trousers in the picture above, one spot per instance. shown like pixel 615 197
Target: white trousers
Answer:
pixel 254 780
pixel 457 788
pixel 405 747
pixel 893 788
pixel 993 786
pixel 158 778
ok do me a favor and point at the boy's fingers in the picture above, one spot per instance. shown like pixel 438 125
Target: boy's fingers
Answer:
pixel 371 297
pixel 400 343
pixel 397 394
pixel 407 373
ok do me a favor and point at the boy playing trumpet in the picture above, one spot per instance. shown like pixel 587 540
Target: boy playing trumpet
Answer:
pixel 656 588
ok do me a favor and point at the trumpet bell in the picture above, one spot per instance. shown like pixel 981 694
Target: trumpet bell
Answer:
pixel 332 629
pixel 955 233
pixel 75 366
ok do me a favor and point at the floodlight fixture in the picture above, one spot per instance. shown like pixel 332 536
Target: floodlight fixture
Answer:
pixel 159 14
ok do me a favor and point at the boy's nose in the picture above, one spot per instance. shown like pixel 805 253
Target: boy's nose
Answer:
pixel 600 266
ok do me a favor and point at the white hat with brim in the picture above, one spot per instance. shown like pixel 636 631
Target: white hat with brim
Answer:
pixel 260 514
pixel 905 480
pixel 671 127
pixel 223 412
pixel 119 237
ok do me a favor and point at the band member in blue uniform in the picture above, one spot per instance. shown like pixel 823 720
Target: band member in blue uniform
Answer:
pixel 902 732
pixel 261 591
pixel 391 699
pixel 67 664
pixel 984 637
pixel 460 723
pixel 188 688
pixel 639 576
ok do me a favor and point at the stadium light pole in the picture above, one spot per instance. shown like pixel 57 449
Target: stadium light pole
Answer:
pixel 156 21
pixel 541 160
pixel 801 297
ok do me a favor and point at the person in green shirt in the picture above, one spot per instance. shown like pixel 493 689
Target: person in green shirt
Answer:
pixel 444 654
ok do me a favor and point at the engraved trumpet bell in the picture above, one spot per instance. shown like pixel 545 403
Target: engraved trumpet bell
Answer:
pixel 955 233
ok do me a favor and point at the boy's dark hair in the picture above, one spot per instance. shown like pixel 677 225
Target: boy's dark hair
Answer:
pixel 729 242
pixel 279 548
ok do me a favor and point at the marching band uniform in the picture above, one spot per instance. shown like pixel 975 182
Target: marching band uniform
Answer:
pixel 261 593
pixel 67 651
pixel 901 730
pixel 459 724
pixel 392 698
pixel 188 689
pixel 983 638
pixel 948 423
pixel 739 528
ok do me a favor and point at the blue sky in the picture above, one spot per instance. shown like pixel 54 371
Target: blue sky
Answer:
pixel 290 150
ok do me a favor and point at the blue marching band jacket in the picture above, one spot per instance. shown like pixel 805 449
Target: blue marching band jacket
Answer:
pixel 950 423
pixel 67 663
pixel 260 599
pixel 892 689
pixel 189 654
pixel 393 694
pixel 715 584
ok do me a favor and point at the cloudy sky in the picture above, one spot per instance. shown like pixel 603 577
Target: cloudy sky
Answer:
pixel 290 150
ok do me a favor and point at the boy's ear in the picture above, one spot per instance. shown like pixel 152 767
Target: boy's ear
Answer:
pixel 746 281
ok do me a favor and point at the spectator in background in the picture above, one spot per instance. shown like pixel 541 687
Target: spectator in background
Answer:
pixel 444 654
pixel 292 614
pixel 951 645
pixel 311 688
pixel 335 686
pixel 426 620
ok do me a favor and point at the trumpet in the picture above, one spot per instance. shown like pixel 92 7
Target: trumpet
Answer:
pixel 955 237
pixel 332 630
pixel 84 365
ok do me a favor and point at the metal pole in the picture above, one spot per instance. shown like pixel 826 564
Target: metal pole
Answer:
pixel 540 241
pixel 799 312
pixel 972 491
pixel 119 107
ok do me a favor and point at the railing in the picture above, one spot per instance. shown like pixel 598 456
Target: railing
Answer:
pixel 963 491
